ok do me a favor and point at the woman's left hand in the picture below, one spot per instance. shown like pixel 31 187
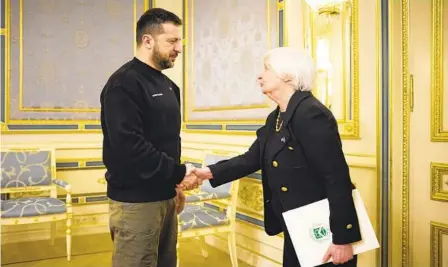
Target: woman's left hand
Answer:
pixel 340 253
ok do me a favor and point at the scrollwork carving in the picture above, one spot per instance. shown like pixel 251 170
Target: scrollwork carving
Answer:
pixel 251 195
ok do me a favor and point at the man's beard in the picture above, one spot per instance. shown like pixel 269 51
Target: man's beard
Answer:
pixel 160 60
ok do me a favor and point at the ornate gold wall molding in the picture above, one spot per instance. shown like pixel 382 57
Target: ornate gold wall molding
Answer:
pixel 438 133
pixel 47 117
pixel 406 131
pixel 223 29
pixel 224 119
pixel 251 195
pixel 438 171
pixel 438 230
pixel 348 121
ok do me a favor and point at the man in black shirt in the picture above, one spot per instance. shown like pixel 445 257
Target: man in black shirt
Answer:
pixel 141 122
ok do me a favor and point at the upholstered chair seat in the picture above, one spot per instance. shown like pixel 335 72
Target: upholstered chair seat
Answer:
pixel 198 216
pixel 27 207
pixel 205 196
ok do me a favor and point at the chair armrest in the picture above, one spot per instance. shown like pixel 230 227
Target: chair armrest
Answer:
pixel 68 189
pixel 63 184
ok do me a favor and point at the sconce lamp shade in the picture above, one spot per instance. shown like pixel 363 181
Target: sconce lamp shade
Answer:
pixel 316 4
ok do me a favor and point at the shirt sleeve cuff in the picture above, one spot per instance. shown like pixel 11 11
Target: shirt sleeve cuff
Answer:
pixel 179 171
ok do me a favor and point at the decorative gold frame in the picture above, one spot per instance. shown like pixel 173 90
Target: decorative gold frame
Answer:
pixel 42 126
pixel 189 96
pixel 437 232
pixel 438 134
pixel 212 126
pixel 406 112
pixel 437 172
pixel 349 129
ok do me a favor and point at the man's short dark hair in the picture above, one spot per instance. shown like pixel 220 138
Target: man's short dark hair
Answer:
pixel 151 22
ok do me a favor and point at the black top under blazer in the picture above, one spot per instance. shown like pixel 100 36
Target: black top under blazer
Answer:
pixel 308 165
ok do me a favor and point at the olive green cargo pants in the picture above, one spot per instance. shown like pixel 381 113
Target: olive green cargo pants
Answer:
pixel 144 234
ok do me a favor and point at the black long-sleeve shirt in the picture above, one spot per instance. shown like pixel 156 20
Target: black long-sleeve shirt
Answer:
pixel 141 122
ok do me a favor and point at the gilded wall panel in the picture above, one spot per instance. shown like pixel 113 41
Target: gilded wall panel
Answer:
pixel 225 44
pixel 250 197
pixel 439 94
pixel 331 36
pixel 439 243
pixel 439 181
pixel 61 55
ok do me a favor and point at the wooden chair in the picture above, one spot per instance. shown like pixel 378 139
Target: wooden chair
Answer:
pixel 34 170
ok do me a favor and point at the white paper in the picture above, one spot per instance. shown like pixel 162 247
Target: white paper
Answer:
pixel 309 228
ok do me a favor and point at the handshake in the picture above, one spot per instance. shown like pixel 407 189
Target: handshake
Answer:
pixel 194 177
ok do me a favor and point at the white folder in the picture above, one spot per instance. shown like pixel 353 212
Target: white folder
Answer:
pixel 309 228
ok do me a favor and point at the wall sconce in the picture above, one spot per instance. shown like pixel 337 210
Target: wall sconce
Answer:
pixel 328 7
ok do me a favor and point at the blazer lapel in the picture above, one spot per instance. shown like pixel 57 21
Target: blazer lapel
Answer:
pixel 270 122
pixel 284 133
pixel 282 140
pixel 294 102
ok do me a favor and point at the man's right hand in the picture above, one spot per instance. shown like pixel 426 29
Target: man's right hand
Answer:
pixel 194 177
pixel 190 182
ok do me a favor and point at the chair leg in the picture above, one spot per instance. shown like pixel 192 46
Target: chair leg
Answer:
pixel 203 247
pixel 53 232
pixel 178 254
pixel 69 238
pixel 232 249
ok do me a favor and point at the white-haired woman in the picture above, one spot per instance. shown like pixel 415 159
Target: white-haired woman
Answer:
pixel 300 155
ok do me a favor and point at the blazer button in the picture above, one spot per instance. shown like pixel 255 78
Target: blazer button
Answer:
pixel 275 164
pixel 349 226
pixel 291 148
pixel 284 189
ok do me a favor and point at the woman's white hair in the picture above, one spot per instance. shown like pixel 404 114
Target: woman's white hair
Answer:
pixel 293 64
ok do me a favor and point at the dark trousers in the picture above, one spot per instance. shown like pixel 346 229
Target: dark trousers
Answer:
pixel 144 234
pixel 289 254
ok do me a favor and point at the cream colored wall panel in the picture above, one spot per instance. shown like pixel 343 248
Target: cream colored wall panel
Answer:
pixel 84 181
pixel 87 220
pixel 214 139
pixel 250 256
pixel 254 246
pixel 254 232
pixel 366 182
pixel 295 30
pixel 58 141
pixel 419 207
pixel 368 80
pixel 83 153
